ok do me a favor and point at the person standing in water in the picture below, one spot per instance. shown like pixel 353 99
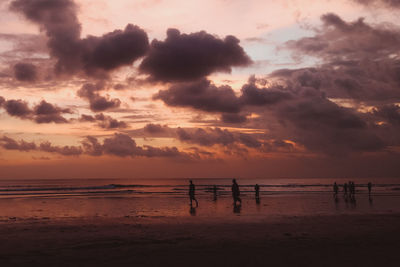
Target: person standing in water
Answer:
pixel 257 189
pixel 192 194
pixel 235 192
pixel 335 189
pixel 369 188
pixel 345 189
pixel 215 192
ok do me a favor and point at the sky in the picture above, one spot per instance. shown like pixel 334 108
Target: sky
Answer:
pixel 221 88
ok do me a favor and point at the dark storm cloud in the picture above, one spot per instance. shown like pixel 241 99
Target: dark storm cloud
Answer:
pixel 104 121
pixel 186 57
pixel 114 49
pixel 389 113
pixel 44 112
pixel 249 141
pixel 346 42
pixel 255 96
pixel 57 18
pixel 233 118
pixel 202 95
pixel 206 138
pixel 97 102
pixel 95 55
pixel 321 125
pixel 25 72
pixel 217 136
pixel 358 66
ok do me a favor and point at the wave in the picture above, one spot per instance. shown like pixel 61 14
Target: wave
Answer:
pixel 178 189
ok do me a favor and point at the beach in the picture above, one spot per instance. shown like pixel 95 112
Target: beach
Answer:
pixel 324 240
pixel 292 224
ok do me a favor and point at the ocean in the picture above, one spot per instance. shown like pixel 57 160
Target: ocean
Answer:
pixel 56 198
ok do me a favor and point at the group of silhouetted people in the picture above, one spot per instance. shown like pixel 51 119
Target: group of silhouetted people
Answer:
pixel 237 201
pixel 349 190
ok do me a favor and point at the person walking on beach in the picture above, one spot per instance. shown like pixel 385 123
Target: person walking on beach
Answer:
pixel 369 188
pixel 235 192
pixel 192 193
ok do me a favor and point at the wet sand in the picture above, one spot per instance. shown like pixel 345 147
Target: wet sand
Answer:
pixel 323 240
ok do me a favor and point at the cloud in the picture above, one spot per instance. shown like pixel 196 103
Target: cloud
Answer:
pixel 62 150
pixel 17 108
pixel 202 95
pixel 386 3
pixel 206 138
pixel 389 113
pixel 105 122
pixel 154 128
pixel 43 112
pixel 25 72
pixel 217 136
pixel 188 57
pixel 114 49
pixel 233 118
pixel 122 145
pixel 252 95
pixel 11 144
pixel 93 55
pixel 97 102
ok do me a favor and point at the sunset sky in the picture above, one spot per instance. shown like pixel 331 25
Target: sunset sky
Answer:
pixel 213 88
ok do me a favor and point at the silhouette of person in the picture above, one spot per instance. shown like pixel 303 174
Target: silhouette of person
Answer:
pixel 215 192
pixel 335 189
pixel 345 189
pixel 257 189
pixel 235 192
pixel 192 193
pixel 369 188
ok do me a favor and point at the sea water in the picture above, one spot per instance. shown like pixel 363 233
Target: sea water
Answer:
pixel 60 198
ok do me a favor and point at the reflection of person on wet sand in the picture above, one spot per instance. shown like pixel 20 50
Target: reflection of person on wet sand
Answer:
pixel 192 211
pixel 192 193
pixel 235 192
pixel 215 192
pixel 257 190
pixel 237 208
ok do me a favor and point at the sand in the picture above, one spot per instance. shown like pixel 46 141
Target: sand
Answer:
pixel 323 240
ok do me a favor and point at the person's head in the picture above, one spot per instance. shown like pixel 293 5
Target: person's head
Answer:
pixel 190 181
pixel 234 181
